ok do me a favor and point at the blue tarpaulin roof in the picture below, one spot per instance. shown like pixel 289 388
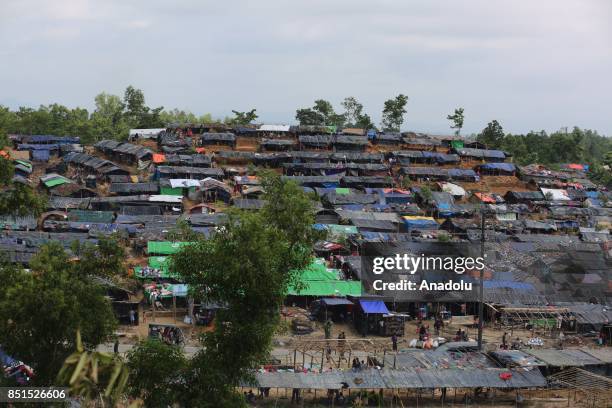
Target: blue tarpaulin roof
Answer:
pixel 421 223
pixel 461 173
pixel 26 146
pixel 592 194
pixel 510 167
pixel 496 284
pixel 50 138
pixel 336 301
pixel 40 155
pixel 374 306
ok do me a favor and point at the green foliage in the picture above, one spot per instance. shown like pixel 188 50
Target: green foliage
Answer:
pixel 577 146
pixel 40 311
pixel 7 170
pixel 182 232
pixel 321 114
pixel 492 135
pixel 243 118
pixel 106 258
pixel 406 183
pixel 155 371
pixel 443 237
pixel 112 118
pixel 15 198
pixel 93 375
pixel 393 113
pixel 183 117
pixel 457 120
pixel 137 113
pixel 354 116
pixel 425 192
pixel 229 268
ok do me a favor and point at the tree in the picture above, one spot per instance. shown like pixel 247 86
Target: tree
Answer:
pixel 393 113
pixel 183 117
pixel 353 110
pixel 41 311
pixel 229 269
pixel 457 120
pixel 94 375
pixel 321 114
pixel 354 116
pixel 106 259
pixel 156 370
pixel 137 113
pixel 182 231
pixel 15 198
pixel 244 118
pixel 492 136
pixel 365 122
pixel 309 117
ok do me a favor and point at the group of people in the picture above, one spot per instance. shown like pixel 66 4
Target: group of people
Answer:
pixel 358 365
pixel 423 331
pixel 461 335
pixel 517 344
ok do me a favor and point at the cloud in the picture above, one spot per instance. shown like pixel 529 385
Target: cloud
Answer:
pixel 531 65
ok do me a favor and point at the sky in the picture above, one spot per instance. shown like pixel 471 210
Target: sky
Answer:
pixel 529 64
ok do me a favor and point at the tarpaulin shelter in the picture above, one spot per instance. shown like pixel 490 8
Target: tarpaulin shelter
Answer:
pixel 315 181
pixel 94 164
pixel 373 306
pixel 53 180
pixel 316 141
pixel 454 189
pixel 403 379
pixel 419 223
pixel 388 139
pixel 105 217
pixel 165 247
pixel 169 172
pixel 553 194
pixel 134 188
pixel 463 174
pixel 310 157
pixel 327 288
pixel 40 155
pixel 496 169
pixel 487 155
pixel 350 143
pixel 277 144
pixel 228 139
pixel 333 198
pixel 366 181
pixel 355 157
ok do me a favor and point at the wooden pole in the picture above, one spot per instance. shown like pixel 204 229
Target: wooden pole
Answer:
pixel 174 307
pixel 322 358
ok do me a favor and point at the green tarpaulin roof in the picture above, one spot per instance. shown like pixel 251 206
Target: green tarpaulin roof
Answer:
pixel 24 163
pixel 159 262
pixel 328 288
pixel 56 181
pixel 318 280
pixel 177 191
pixel 317 271
pixel 165 247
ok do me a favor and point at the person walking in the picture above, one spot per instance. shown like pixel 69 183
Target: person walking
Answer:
pixel 394 341
pixel 328 328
